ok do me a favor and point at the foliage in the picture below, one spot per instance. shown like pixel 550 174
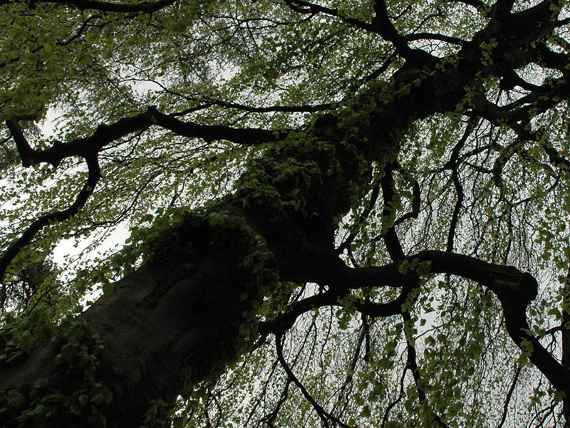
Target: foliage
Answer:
pixel 438 126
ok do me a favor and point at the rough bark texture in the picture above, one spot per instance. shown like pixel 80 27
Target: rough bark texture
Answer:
pixel 189 310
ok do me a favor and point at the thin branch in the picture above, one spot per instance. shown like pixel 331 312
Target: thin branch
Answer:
pixel 510 395
pixel 396 401
pixel 302 6
pixel 365 213
pixel 565 342
pixel 453 164
pixel 94 174
pixel 416 199
pixel 138 7
pixel 323 414
pixel 412 364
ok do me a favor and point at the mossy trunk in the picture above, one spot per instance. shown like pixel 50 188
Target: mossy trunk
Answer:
pixel 189 310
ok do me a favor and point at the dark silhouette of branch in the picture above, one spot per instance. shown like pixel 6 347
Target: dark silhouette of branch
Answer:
pixel 363 216
pixel 412 364
pixel 245 136
pixel 434 36
pixel 103 6
pixel 323 414
pixel 105 134
pixel 390 195
pixel 453 164
pixel 272 109
pixel 94 174
pixel 479 5
pixel 305 7
pixel 416 199
pixel 510 395
pixel 397 400
pixel 89 147
pixel 565 324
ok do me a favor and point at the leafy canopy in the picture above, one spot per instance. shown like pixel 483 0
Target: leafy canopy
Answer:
pixel 117 115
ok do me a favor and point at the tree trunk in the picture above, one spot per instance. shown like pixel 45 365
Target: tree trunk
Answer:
pixel 189 310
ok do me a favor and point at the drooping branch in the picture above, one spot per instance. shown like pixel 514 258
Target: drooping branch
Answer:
pixel 179 291
pixel 81 147
pixel 510 395
pixel 416 199
pixel 397 400
pixel 453 165
pixel 325 416
pixel 390 196
pixel 88 148
pixel 362 218
pixel 412 365
pixel 105 134
pixel 93 176
pixel 514 289
pixel 565 326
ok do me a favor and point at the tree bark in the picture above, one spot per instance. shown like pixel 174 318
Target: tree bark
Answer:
pixel 189 310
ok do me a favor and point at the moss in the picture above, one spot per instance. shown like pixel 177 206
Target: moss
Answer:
pixel 72 395
pixel 291 182
pixel 158 415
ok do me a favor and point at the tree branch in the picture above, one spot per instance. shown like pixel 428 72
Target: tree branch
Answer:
pixel 138 7
pixel 105 134
pixel 302 6
pixel 390 195
pixel 412 364
pixel 89 148
pixel 509 395
pixel 323 414
pixel 453 164
pixel 94 174
pixel 244 136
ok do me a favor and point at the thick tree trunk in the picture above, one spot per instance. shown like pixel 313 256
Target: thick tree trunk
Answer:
pixel 190 309
pixel 178 319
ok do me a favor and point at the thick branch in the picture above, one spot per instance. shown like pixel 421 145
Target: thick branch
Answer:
pixel 245 136
pixel 106 134
pixel 387 30
pixel 89 148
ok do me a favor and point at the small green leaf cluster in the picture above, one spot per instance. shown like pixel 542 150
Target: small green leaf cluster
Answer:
pixel 290 181
pixel 73 394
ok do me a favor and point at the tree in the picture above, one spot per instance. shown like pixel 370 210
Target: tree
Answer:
pixel 345 213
